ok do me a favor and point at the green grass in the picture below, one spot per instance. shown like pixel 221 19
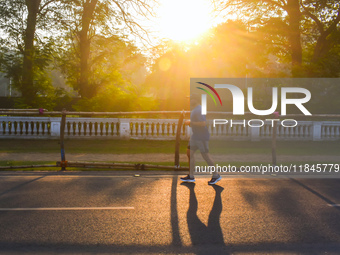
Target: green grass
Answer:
pixel 146 146
pixel 30 163
pixel 91 146
pixel 283 147
pixel 183 164
pixel 24 163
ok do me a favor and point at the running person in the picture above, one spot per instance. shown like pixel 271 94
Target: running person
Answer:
pixel 199 140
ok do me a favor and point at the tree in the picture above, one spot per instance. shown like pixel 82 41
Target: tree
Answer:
pixel 90 19
pixel 116 72
pixel 33 32
pixel 305 24
pixel 26 50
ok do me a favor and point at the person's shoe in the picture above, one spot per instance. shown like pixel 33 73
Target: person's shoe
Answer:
pixel 187 179
pixel 214 180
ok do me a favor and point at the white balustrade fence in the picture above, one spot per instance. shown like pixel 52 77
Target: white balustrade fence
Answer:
pixel 26 127
pixel 242 131
pixel 91 127
pixel 87 128
pixel 162 129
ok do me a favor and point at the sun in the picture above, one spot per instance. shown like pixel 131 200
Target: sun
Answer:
pixel 184 20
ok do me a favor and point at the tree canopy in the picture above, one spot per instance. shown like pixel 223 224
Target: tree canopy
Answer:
pixel 304 32
pixel 39 35
pixel 91 46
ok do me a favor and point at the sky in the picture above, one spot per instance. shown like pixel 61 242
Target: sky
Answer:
pixel 184 20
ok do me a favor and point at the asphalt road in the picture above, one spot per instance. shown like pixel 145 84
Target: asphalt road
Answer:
pixel 117 212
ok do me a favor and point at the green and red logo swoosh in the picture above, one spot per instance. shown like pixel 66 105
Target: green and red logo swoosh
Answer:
pixel 207 91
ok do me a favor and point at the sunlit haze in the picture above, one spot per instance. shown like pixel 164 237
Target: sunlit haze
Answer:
pixel 184 20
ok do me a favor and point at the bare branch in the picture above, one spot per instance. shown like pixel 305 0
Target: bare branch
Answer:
pixel 284 7
pixel 132 24
pixel 316 20
pixel 331 28
pixel 43 6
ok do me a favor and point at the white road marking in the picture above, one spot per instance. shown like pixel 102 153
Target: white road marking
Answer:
pixel 334 205
pixel 66 208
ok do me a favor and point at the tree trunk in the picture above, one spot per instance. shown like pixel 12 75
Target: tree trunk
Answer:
pixel 84 45
pixel 27 86
pixel 294 36
pixel 85 89
pixel 322 46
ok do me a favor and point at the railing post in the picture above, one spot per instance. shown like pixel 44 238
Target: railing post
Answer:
pixel 274 135
pixel 187 132
pixel 63 162
pixel 255 133
pixel 124 128
pixel 55 127
pixel 316 130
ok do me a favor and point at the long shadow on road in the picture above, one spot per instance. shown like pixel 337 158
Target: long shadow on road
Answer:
pixel 316 193
pixel 20 185
pixel 201 234
pixel 209 238
pixel 176 239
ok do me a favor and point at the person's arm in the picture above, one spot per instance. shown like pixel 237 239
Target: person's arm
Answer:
pixel 197 119
pixel 199 123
